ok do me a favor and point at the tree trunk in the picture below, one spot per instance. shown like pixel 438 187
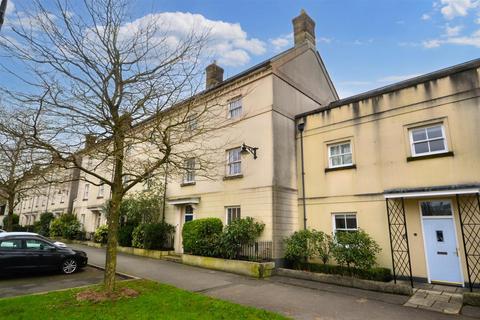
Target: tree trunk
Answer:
pixel 8 223
pixel 112 242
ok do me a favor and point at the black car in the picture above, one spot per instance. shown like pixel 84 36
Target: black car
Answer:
pixel 23 251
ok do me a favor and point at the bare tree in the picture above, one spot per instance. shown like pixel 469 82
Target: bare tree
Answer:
pixel 127 86
pixel 21 166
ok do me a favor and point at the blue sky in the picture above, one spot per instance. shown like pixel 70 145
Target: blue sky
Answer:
pixel 365 44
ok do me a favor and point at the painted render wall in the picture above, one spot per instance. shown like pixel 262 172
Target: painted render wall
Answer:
pixel 378 127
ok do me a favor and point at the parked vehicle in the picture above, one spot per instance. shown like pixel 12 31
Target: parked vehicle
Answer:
pixel 1 230
pixel 24 251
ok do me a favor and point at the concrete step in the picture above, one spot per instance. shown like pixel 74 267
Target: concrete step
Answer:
pixel 173 258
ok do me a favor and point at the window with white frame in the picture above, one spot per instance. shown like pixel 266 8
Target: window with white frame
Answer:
pixel 189 175
pixel 192 122
pixel 53 198
pixel 428 140
pixel 101 191
pixel 188 216
pixel 345 222
pixel 85 191
pixel 235 108
pixel 62 195
pixel 340 154
pixel 233 213
pixel 234 162
pixel 44 199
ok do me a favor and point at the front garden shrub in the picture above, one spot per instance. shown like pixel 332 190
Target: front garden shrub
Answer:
pixel 125 234
pixel 307 244
pixel 201 236
pixel 355 250
pixel 375 274
pixel 239 233
pixel 138 236
pixel 156 236
pixel 66 226
pixel 42 226
pixel 101 234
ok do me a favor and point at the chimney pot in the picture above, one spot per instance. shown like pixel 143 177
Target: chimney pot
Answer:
pixel 303 29
pixel 214 75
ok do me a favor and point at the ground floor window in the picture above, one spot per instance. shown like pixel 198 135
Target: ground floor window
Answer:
pixel 188 213
pixel 346 222
pixel 233 213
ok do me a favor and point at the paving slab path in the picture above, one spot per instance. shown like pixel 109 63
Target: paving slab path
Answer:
pixel 298 299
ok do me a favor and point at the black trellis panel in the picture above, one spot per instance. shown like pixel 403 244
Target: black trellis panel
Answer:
pixel 397 227
pixel 469 213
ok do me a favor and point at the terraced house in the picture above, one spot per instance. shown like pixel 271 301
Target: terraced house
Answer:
pixel 403 163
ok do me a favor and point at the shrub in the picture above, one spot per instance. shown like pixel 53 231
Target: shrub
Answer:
pixel 101 234
pixel 66 226
pixel 375 274
pixel 138 236
pixel 43 225
pixel 237 234
pixel 125 234
pixel 156 235
pixel 355 249
pixel 201 237
pixel 307 244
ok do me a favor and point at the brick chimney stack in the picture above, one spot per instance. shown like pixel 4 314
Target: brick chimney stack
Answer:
pixel 214 75
pixel 303 29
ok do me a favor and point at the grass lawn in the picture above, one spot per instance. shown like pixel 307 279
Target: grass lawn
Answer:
pixel 155 301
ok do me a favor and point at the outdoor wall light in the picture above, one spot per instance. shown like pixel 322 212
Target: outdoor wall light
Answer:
pixel 247 149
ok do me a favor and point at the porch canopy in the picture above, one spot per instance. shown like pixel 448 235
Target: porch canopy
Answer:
pixel 468 205
pixel 183 201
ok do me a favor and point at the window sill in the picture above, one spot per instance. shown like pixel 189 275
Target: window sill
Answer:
pixel 237 176
pixel 99 197
pixel 431 156
pixel 353 166
pixel 186 184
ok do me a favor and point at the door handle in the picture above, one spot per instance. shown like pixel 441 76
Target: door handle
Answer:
pixel 443 253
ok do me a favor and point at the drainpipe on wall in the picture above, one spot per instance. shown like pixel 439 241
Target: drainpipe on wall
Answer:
pixel 301 127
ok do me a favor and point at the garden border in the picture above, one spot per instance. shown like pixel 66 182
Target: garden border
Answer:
pixel 386 287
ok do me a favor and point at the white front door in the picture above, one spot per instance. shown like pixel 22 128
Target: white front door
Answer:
pixel 441 242
pixel 186 214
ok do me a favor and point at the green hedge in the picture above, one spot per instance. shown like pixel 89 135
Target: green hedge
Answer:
pixel 101 234
pixel 125 235
pixel 201 237
pixel 152 236
pixel 66 226
pixel 376 274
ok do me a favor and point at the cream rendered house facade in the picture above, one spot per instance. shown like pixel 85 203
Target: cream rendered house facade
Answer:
pixel 260 105
pixel 402 163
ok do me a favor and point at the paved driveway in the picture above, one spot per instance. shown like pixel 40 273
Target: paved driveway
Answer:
pixel 295 298
pixel 21 284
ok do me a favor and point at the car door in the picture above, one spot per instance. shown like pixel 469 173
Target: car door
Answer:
pixel 12 255
pixel 43 253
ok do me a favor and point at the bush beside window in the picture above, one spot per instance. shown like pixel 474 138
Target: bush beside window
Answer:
pixel 42 226
pixel 355 249
pixel 240 232
pixel 307 244
pixel 375 274
pixel 125 234
pixel 201 237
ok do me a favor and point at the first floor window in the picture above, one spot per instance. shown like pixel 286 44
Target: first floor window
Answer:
pixel 340 154
pixel 189 170
pixel 428 140
pixel 62 195
pixel 101 191
pixel 188 216
pixel 192 122
pixel 233 213
pixel 85 192
pixel 234 162
pixel 345 222
pixel 235 108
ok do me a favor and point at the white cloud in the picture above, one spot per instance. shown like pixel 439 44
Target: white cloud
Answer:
pixel 325 40
pixel 457 8
pixel 425 16
pixel 452 31
pixel 282 42
pixel 228 42
pixel 471 40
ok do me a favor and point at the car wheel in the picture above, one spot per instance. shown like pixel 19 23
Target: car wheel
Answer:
pixel 69 266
